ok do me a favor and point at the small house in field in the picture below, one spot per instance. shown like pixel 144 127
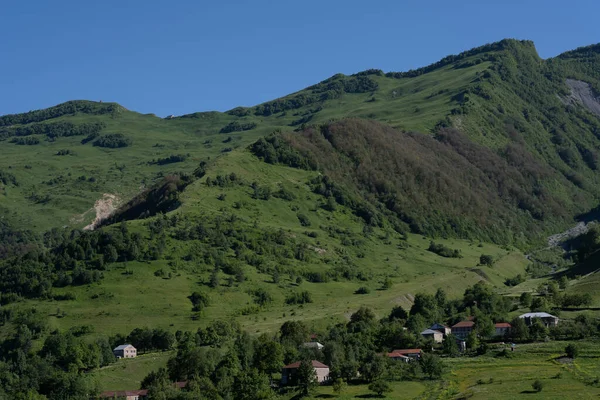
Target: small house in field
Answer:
pixel 547 319
pixel 462 329
pixel 398 357
pixel 446 330
pixel 125 351
pixel 406 354
pixel 502 328
pixel 436 336
pixel 125 394
pixel 288 373
pixel 313 345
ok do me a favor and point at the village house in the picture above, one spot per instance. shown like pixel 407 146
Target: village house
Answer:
pixel 313 345
pixel 446 330
pixel 398 356
pixel 502 328
pixel 436 336
pixel 402 354
pixel 547 319
pixel 125 351
pixel 289 371
pixel 462 329
pixel 126 394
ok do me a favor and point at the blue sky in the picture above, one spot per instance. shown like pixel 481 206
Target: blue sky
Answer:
pixel 177 57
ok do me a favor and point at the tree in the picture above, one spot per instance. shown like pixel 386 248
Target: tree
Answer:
pixel 294 331
pixel 484 326
pixel 519 331
pixel 537 329
pixel 472 340
pixel 525 299
pixel 537 385
pixel 268 355
pixel 432 366
pixel 538 304
pixel 306 378
pixel 449 346
pixel 252 385
pixel 199 300
pixel 563 282
pixel 363 314
pixel 339 386
pixel 572 350
pixel 372 368
pixel 486 259
pixel 380 387
pixel 398 313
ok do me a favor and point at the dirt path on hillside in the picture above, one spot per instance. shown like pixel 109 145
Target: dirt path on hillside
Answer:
pixel 104 207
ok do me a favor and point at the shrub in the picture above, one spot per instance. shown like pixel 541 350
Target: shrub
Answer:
pixel 199 300
pixel 443 251
pixel 113 141
pixel 299 297
pixel 363 290
pixel 572 350
pixel 537 385
pixel 304 221
pixel 486 259
pixel 380 387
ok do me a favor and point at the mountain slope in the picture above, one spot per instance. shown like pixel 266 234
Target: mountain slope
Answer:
pixel 502 96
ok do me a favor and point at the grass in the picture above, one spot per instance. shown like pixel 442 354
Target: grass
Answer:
pixel 121 302
pixel 419 104
pixel 126 374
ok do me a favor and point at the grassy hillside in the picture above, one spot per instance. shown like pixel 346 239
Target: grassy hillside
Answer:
pixel 510 103
pixel 337 245
pixel 360 190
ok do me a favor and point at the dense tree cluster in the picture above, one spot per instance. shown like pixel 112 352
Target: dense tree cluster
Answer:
pixel 443 250
pixel 53 130
pixel 237 126
pixel 173 158
pixel 112 141
pixel 331 88
pixel 68 108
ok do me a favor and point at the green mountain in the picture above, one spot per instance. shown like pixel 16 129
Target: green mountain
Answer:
pixel 492 145
pixel 360 190
pixel 507 149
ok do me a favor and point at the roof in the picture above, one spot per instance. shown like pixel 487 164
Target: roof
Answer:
pixel 394 354
pixel 407 351
pixel 313 344
pixel 122 347
pixel 438 324
pixel 502 325
pixel 315 364
pixel 464 324
pixel 430 332
pixel 537 315
pixel 125 393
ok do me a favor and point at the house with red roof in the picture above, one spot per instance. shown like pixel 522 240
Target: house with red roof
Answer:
pixel 502 328
pixel 405 354
pixel 462 329
pixel 288 373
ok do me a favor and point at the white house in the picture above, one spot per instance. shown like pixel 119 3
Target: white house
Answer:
pixel 547 319
pixel 446 330
pixel 313 345
pixel 125 351
pixel 289 371
pixel 436 336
